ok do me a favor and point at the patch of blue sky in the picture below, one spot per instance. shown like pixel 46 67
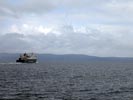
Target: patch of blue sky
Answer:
pixel 6 22
pixel 15 2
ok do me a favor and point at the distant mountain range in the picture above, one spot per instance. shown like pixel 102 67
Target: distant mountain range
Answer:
pixel 7 57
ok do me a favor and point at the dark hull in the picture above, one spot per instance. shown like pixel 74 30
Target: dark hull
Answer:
pixel 27 61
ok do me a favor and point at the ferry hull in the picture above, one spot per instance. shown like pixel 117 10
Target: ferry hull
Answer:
pixel 27 61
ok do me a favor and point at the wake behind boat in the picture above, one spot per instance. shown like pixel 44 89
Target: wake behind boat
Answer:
pixel 27 58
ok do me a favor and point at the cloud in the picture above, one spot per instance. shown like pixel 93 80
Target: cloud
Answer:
pixel 75 11
pixel 93 27
pixel 30 7
pixel 43 6
pixel 91 41
pixel 12 42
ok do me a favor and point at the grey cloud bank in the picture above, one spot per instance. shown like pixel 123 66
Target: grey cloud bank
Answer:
pixel 91 42
pixel 92 27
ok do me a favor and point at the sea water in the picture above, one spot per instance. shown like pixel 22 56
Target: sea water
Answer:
pixel 99 80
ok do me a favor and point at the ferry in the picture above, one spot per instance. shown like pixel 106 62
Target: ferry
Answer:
pixel 27 58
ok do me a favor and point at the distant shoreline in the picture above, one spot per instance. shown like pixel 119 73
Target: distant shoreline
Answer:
pixel 11 57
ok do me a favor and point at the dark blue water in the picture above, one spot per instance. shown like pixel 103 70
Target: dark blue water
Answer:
pixel 67 81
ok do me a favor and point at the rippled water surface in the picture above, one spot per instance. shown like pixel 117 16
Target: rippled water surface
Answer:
pixel 67 81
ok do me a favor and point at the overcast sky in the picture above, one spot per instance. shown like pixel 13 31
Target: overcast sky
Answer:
pixel 92 27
